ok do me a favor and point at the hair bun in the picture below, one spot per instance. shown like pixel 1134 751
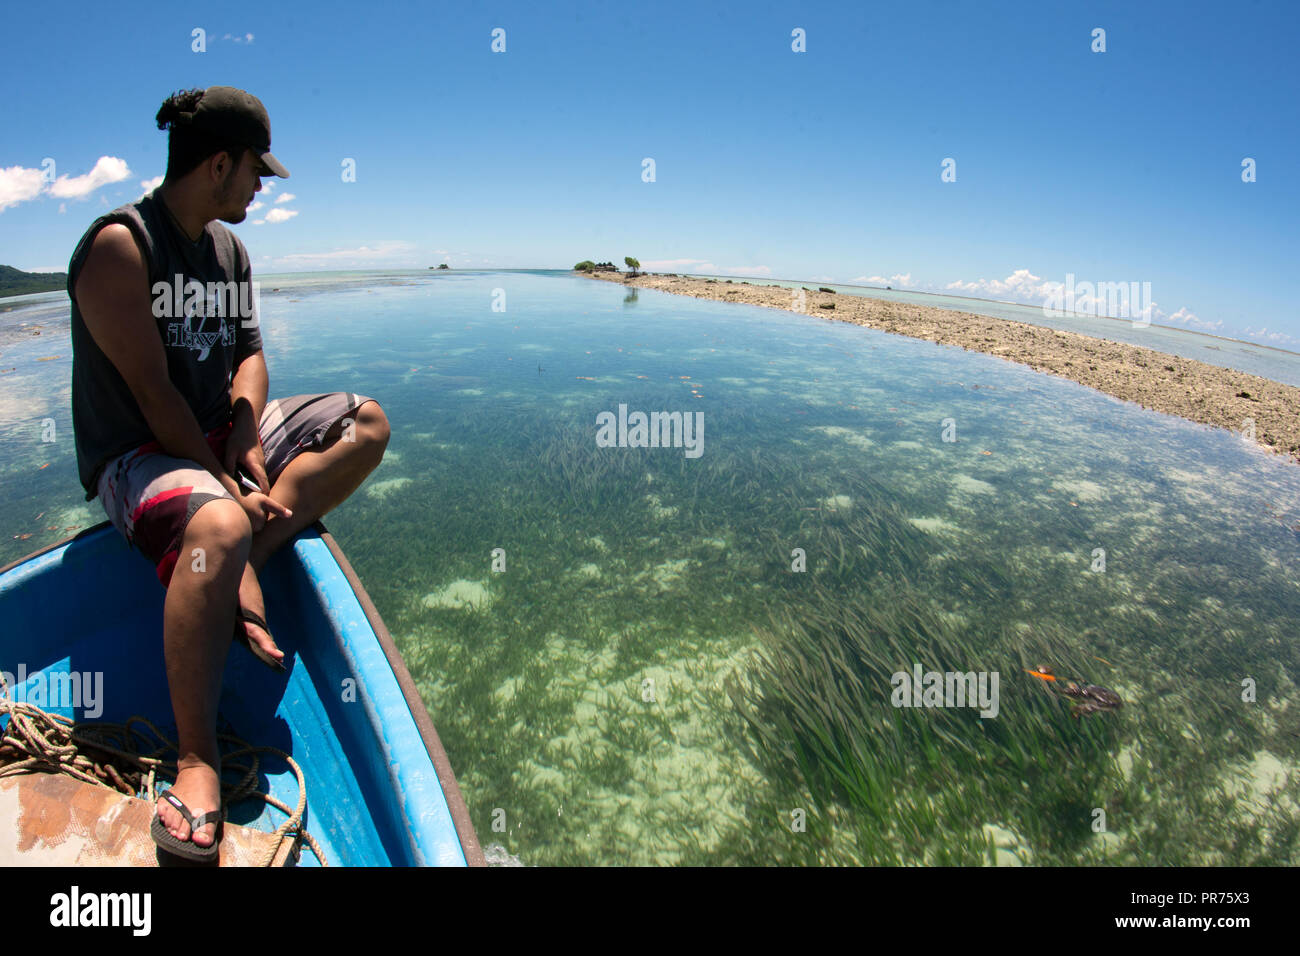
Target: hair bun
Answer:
pixel 178 109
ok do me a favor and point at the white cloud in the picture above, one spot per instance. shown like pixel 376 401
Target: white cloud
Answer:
pixel 680 265
pixel 19 184
pixel 1277 338
pixel 390 253
pixel 901 278
pixel 237 38
pixel 360 252
pixel 1187 317
pixel 148 185
pixel 1122 300
pixel 703 267
pixel 276 215
pixel 287 197
pixel 1022 285
pixel 268 186
pixel 107 169
pixel 256 206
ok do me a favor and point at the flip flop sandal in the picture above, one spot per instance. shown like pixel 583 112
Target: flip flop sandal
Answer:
pixel 188 849
pixel 241 635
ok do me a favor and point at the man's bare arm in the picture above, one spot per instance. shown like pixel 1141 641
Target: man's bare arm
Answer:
pixel 248 389
pixel 247 400
pixel 113 295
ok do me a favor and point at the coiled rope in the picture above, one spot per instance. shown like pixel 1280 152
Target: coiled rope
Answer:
pixel 36 741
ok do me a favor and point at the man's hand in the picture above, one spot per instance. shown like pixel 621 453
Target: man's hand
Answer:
pixel 260 508
pixel 244 450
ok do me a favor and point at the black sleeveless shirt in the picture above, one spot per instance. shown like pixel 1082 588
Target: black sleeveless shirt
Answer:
pixel 206 315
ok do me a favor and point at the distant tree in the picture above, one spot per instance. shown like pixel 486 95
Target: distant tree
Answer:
pixel 632 264
pixel 586 265
pixel 444 266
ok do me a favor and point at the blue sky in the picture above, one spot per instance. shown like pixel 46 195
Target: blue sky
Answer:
pixel 1115 166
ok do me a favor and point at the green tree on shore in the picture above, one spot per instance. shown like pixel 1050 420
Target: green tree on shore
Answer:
pixel 586 265
pixel 632 264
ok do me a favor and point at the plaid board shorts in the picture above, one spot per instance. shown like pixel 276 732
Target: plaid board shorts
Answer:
pixel 149 496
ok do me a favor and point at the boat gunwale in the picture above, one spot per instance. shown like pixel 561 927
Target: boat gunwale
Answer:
pixel 456 806
pixel 84 533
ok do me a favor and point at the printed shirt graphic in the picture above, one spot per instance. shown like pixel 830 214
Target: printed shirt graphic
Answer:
pixel 204 306
pixel 200 307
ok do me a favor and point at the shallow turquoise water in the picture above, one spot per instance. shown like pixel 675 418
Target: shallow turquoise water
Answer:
pixel 648 680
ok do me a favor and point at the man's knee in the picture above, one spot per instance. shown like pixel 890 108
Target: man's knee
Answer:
pixel 372 427
pixel 221 527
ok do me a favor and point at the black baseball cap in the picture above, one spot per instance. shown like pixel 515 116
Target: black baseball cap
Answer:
pixel 231 115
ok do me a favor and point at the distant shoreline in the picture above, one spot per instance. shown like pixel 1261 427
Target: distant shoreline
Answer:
pixel 1196 391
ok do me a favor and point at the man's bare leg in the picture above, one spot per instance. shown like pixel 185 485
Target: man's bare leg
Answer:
pixel 198 618
pixel 312 485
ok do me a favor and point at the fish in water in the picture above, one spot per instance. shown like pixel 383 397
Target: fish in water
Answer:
pixel 1087 698
pixel 1090 699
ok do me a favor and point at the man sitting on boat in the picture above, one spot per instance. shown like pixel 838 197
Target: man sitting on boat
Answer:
pixel 174 432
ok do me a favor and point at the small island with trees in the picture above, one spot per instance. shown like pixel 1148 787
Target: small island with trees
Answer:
pixel 586 265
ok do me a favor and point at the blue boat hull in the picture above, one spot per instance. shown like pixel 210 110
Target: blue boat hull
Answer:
pixel 380 789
